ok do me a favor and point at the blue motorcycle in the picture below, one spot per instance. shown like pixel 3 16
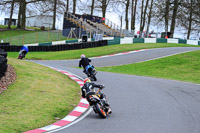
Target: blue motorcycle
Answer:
pixel 91 72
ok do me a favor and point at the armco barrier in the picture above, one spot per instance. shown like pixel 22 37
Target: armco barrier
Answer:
pixel 161 40
pixel 45 44
pixel 71 41
pixel 60 47
pixel 3 63
pixel 182 41
pixel 138 40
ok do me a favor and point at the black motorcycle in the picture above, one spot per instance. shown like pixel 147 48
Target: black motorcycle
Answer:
pixel 91 72
pixel 98 104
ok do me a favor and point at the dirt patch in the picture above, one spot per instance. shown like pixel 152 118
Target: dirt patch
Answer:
pixel 10 77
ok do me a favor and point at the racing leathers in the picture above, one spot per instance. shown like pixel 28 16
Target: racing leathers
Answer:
pixel 87 90
pixel 84 62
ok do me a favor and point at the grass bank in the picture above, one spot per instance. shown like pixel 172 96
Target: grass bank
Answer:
pixel 39 96
pixel 183 67
pixel 20 37
pixel 92 52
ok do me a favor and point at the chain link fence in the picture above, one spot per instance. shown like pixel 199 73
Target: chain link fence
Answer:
pixel 36 37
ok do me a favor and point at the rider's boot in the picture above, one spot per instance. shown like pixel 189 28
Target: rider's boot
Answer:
pixel 109 111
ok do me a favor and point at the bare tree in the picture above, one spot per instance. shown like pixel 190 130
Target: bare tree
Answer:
pixel 143 16
pixel 92 7
pixel 67 6
pixel 126 13
pixel 74 6
pixel 54 15
pixel 11 14
pixel 173 23
pixel 167 15
pixel 190 19
pixel 149 17
pixel 133 12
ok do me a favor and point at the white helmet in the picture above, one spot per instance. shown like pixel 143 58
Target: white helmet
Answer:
pixel 82 56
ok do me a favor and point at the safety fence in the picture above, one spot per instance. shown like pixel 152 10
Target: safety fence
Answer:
pixel 3 63
pixel 59 47
pixel 28 37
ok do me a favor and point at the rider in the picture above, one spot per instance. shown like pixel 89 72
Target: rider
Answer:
pixel 88 89
pixel 84 62
pixel 24 50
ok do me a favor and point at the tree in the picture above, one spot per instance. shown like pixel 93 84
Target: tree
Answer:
pixel 92 8
pixel 67 6
pixel 167 15
pixel 54 15
pixel 190 19
pixel 144 15
pixel 74 6
pixel 126 13
pixel 11 14
pixel 133 12
pixel 149 17
pixel 173 23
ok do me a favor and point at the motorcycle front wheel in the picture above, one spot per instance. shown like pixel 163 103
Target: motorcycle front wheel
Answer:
pixel 100 110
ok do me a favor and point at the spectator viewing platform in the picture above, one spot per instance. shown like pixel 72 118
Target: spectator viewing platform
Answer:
pixel 77 25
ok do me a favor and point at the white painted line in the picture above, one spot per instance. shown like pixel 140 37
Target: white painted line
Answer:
pixel 70 118
pixel 50 127
pixel 80 109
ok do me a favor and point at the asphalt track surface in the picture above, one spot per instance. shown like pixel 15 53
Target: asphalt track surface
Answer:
pixel 140 104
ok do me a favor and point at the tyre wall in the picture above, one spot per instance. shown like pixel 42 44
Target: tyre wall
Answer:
pixel 60 47
pixel 3 63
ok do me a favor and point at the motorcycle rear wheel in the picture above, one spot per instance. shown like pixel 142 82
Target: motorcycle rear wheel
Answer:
pixel 93 76
pixel 100 111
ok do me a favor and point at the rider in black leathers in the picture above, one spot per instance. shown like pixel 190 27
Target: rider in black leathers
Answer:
pixel 84 62
pixel 87 90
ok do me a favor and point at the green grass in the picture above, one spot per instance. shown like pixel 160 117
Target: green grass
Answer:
pixel 20 37
pixel 37 98
pixel 6 26
pixel 183 67
pixel 92 52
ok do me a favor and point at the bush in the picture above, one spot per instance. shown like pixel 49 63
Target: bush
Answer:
pixel 42 28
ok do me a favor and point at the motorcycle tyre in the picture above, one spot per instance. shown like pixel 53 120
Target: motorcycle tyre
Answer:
pixel 93 76
pixel 101 112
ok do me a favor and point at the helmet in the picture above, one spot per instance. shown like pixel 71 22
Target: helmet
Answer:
pixel 82 56
pixel 87 80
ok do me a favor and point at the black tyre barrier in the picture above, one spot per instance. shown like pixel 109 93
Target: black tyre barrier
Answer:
pixel 61 47
pixel 3 63
pixel 5 44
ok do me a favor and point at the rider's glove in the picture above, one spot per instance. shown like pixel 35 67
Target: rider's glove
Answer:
pixel 102 86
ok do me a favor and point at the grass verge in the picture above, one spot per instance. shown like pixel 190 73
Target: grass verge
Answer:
pixel 183 67
pixel 92 52
pixel 39 96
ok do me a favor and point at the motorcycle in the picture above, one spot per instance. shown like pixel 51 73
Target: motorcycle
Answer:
pixel 91 72
pixel 23 51
pixel 22 54
pixel 98 104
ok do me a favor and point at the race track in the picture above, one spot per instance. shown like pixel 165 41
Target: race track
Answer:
pixel 140 104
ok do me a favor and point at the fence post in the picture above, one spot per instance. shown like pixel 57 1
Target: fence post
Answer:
pixel 23 39
pixel 48 36
pixel 36 37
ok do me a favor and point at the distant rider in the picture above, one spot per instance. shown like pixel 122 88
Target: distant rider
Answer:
pixel 88 89
pixel 84 62
pixel 23 51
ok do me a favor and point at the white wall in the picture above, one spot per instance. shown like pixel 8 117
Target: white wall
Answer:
pixel 39 21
